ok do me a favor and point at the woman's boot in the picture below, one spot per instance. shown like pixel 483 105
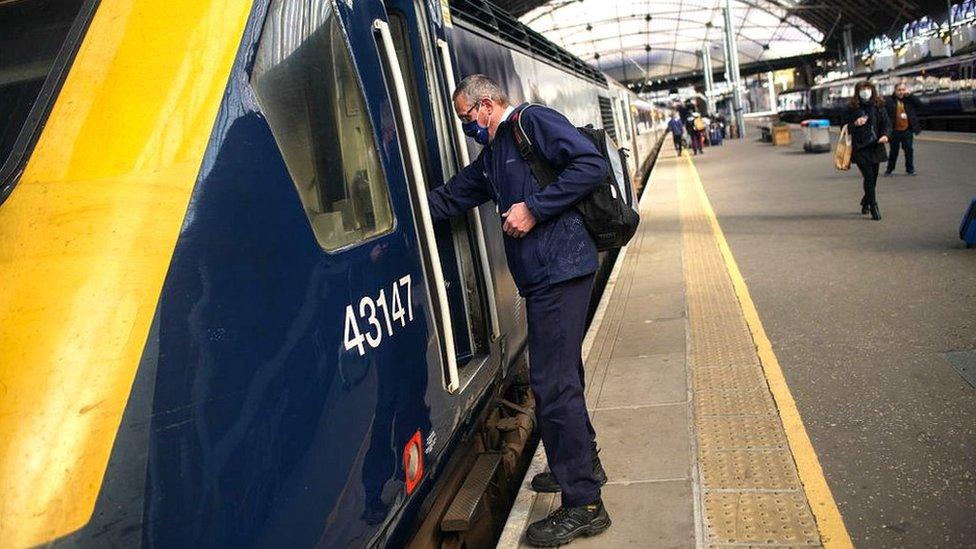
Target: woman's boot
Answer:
pixel 875 212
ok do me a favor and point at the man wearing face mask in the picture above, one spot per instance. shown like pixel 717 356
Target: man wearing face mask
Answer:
pixel 902 110
pixel 553 260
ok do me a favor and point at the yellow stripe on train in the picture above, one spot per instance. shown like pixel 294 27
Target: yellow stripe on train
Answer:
pixel 87 237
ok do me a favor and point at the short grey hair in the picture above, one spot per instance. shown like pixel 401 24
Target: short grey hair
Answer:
pixel 477 86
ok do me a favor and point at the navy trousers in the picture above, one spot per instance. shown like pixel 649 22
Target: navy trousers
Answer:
pixel 905 141
pixel 557 323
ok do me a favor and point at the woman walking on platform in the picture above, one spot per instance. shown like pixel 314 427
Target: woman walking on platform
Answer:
pixel 870 128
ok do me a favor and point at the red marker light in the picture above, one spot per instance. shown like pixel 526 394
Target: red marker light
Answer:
pixel 413 462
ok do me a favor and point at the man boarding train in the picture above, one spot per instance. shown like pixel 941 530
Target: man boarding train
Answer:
pixel 553 261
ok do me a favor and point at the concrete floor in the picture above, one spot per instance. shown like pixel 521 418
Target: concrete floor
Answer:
pixel 860 313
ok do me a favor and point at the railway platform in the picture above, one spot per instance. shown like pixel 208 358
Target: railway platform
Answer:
pixel 770 368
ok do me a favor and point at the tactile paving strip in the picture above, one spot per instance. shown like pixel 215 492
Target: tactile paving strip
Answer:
pixel 729 377
pixel 750 487
pixel 760 517
pixel 748 470
pixel 738 433
pixel 713 401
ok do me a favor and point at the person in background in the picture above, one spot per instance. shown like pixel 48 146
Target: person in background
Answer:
pixel 870 128
pixel 902 109
pixel 720 118
pixel 696 129
pixel 677 130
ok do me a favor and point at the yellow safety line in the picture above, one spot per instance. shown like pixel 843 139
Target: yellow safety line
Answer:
pixel 833 532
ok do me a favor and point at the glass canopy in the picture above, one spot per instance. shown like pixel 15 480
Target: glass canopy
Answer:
pixel 633 40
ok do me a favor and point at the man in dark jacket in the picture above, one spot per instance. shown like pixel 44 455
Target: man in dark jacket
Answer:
pixel 553 260
pixel 902 111
pixel 677 130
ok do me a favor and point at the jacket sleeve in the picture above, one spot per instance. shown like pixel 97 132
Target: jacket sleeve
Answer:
pixel 580 166
pixel 884 123
pixel 466 190
pixel 915 105
pixel 889 106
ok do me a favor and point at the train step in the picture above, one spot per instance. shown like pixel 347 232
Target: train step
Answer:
pixel 465 507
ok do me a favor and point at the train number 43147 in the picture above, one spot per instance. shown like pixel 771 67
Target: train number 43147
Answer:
pixel 380 315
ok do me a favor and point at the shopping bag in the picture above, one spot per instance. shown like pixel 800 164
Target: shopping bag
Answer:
pixel 842 156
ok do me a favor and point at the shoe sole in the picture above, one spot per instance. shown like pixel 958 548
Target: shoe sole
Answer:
pixel 591 529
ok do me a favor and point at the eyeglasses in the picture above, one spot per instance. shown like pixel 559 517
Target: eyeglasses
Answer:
pixel 466 117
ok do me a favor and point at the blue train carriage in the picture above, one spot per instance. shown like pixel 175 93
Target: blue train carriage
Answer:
pixel 226 317
pixel 945 87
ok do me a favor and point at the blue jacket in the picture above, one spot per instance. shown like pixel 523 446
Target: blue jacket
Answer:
pixel 558 248
pixel 676 127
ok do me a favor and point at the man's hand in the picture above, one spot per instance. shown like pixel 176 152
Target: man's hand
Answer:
pixel 518 220
pixel 883 139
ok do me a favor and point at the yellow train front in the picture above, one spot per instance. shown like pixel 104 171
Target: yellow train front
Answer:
pixel 226 317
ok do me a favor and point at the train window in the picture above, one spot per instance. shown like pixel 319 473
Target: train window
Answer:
pixel 38 39
pixel 307 87
pixel 606 115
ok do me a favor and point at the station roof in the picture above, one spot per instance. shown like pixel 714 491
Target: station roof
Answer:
pixel 641 40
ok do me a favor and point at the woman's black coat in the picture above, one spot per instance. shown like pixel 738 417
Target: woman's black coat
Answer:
pixel 867 149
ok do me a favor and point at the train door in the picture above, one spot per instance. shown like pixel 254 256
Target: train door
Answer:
pixel 410 65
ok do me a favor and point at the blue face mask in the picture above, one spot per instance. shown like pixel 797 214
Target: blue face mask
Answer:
pixel 475 131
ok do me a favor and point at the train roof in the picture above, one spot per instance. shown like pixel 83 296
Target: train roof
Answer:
pixel 495 21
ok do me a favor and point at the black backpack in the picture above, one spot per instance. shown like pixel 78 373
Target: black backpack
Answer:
pixel 610 221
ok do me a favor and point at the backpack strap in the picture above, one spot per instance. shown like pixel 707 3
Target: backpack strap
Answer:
pixel 544 174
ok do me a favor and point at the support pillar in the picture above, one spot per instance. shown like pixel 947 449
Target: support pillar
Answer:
pixel 949 25
pixel 848 49
pixel 732 68
pixel 709 81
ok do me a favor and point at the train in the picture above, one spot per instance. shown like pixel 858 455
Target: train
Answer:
pixel 226 317
pixel 946 89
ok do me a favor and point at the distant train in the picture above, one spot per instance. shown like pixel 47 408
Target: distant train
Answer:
pixel 226 318
pixel 946 89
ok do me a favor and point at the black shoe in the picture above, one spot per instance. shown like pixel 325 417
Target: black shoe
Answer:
pixel 875 212
pixel 546 482
pixel 910 173
pixel 568 523
pixel 887 173
pixel 864 209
